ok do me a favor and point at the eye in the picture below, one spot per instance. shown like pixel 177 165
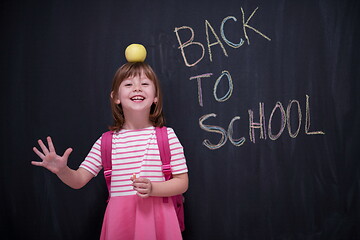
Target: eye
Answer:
pixel 127 84
pixel 145 83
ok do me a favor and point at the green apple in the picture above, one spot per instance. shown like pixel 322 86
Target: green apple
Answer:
pixel 135 53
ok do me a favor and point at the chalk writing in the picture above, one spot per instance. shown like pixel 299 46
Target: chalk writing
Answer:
pixel 288 110
pixel 260 125
pixel 198 78
pixel 207 26
pixel 266 130
pixel 307 118
pixel 214 129
pixel 190 42
pixel 230 90
pixel 225 135
pixel 228 42
pixel 284 120
pixel 236 142
pixel 278 105
pixel 246 25
pixel 206 75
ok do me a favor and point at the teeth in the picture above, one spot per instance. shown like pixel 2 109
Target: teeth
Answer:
pixel 137 98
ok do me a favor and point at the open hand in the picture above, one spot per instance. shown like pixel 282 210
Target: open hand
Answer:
pixel 50 160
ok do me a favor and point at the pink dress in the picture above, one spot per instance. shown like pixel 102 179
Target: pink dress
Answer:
pixel 153 219
pixel 127 215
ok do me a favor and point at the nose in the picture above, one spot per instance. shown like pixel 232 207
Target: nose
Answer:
pixel 137 87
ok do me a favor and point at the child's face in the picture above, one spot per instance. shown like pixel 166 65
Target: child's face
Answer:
pixel 136 93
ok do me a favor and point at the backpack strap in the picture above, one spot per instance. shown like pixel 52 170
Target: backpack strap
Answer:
pixel 106 147
pixel 163 143
pixel 164 149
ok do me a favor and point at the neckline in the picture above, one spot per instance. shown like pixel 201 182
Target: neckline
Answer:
pixel 138 129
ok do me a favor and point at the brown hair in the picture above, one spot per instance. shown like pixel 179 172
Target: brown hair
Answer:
pixel 129 70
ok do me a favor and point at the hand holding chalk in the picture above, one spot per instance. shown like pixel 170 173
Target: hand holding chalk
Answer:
pixel 142 186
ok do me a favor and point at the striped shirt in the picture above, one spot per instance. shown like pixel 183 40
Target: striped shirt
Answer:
pixel 135 151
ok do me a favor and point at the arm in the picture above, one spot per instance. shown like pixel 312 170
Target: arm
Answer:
pixel 58 165
pixel 75 179
pixel 177 185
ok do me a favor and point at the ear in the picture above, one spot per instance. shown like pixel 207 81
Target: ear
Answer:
pixel 115 99
pixel 155 100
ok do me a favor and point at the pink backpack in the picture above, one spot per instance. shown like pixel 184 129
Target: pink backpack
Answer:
pixel 163 143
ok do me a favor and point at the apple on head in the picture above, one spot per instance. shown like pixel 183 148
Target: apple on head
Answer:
pixel 135 53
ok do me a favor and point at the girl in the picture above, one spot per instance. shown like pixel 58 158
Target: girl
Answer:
pixel 136 209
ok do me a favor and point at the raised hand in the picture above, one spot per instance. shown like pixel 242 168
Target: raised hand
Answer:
pixel 50 160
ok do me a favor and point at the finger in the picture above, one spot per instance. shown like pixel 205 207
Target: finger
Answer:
pixel 141 180
pixel 35 163
pixel 38 153
pixel 142 190
pixel 43 147
pixel 68 152
pixel 142 195
pixel 141 185
pixel 50 144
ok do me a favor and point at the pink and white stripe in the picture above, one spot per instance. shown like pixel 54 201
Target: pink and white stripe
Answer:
pixel 136 151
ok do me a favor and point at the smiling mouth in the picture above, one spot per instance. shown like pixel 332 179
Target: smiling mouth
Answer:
pixel 137 98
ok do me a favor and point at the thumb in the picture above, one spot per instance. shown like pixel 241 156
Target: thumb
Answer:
pixel 67 152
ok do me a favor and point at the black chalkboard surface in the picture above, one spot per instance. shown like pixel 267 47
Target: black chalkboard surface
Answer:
pixel 263 96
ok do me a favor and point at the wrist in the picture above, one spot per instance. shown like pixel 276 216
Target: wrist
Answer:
pixel 150 189
pixel 62 171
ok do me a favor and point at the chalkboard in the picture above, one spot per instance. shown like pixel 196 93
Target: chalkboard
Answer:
pixel 263 96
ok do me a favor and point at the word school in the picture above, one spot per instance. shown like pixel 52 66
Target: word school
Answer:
pixel 264 130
